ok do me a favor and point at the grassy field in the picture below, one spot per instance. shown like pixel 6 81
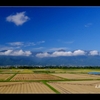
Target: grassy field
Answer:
pixel 56 81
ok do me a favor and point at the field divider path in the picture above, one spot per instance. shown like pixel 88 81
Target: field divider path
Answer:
pixel 66 91
pixel 11 77
pixel 56 91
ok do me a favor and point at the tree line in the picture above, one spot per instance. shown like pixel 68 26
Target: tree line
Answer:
pixel 51 67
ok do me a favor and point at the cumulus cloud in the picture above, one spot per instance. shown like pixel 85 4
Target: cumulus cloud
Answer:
pixel 7 52
pixel 16 53
pixel 61 53
pixel 79 52
pixel 18 18
pixel 94 52
pixel 41 55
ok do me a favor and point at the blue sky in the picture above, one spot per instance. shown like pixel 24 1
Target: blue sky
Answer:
pixel 50 28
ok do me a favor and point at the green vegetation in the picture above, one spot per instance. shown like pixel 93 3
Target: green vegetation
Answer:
pixel 53 70
pixel 45 82
pixel 9 71
pixel 10 77
pixel 50 67
pixel 44 71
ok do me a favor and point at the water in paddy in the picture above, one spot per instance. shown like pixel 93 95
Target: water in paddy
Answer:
pixel 94 73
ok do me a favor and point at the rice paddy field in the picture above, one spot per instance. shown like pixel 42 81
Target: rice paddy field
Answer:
pixel 78 76
pixel 49 81
pixel 77 87
pixel 35 77
pixel 5 76
pixel 24 87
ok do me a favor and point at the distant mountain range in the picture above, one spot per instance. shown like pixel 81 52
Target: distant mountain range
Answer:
pixel 82 60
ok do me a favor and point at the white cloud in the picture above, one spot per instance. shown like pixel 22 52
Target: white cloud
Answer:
pixel 16 53
pixel 41 55
pixel 29 44
pixel 24 44
pixel 79 52
pixel 18 18
pixel 7 52
pixel 16 43
pixel 93 52
pixel 88 25
pixel 32 43
pixel 61 53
